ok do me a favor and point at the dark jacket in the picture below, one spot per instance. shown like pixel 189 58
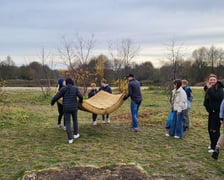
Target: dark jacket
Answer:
pixel 213 97
pixel 106 88
pixel 134 91
pixel 188 91
pixel 69 94
pixel 92 93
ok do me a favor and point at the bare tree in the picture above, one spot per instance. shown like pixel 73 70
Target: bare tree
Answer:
pixel 122 54
pixel 76 54
pixel 213 58
pixel 68 55
pixel 220 61
pixel 174 55
pixel 83 49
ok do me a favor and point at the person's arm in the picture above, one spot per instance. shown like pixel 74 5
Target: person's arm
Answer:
pixel 79 94
pixel 129 92
pixel 57 96
pixel 221 113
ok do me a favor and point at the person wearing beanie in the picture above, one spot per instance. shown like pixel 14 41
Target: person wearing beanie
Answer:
pixel 70 93
pixel 61 83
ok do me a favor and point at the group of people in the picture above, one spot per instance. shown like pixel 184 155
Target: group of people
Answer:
pixel 214 104
pixel 180 104
pixel 181 98
pixel 67 103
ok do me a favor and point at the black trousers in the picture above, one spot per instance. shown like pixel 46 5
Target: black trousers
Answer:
pixel 60 113
pixel 105 116
pixel 214 128
pixel 94 116
pixel 68 123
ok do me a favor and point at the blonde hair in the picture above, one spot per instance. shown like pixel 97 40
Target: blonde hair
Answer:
pixel 93 84
pixel 104 81
pixel 185 82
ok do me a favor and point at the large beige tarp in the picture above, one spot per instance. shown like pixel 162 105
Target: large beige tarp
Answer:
pixel 102 103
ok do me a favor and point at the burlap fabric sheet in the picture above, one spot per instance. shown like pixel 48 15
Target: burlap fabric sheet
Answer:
pixel 102 103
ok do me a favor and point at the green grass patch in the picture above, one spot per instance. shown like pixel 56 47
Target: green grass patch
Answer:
pixel 30 139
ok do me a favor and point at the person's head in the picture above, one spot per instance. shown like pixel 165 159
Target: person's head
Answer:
pixel 93 86
pixel 184 83
pixel 177 83
pixel 103 82
pixel 61 82
pixel 130 76
pixel 69 81
pixel 212 79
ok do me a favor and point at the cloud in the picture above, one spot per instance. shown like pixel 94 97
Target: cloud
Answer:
pixel 27 26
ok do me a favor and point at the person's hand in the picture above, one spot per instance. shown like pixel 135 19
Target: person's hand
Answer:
pixel 208 85
pixel 125 97
pixel 222 122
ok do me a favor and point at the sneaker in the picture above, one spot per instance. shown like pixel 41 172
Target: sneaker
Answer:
pixel 70 141
pixel 59 125
pixel 211 150
pixel 64 128
pixel 76 136
pixel 134 129
pixel 108 120
pixel 167 135
pixel 103 121
pixel 177 137
pixel 215 154
pixel 94 123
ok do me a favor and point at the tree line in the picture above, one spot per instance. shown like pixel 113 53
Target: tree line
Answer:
pixel 195 69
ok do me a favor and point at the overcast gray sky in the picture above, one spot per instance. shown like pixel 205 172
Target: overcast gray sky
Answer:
pixel 27 26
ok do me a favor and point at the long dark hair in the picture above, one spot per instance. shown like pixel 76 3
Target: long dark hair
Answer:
pixel 178 82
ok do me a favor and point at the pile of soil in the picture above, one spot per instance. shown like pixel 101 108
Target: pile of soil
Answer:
pixel 126 172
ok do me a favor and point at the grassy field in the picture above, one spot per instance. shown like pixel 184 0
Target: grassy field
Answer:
pixel 30 139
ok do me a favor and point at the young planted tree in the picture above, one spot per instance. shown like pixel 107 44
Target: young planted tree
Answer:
pixel 45 82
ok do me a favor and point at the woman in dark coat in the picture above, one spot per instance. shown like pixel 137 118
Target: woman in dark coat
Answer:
pixel 213 98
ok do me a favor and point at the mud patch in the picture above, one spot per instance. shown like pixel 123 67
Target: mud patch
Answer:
pixel 85 173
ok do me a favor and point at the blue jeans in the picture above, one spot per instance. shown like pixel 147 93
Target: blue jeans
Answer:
pixel 176 127
pixel 134 113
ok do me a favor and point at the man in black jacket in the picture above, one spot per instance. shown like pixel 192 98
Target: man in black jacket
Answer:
pixel 134 91
pixel 70 107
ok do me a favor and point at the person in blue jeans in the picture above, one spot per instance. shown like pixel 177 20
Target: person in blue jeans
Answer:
pixel 134 92
pixel 179 104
